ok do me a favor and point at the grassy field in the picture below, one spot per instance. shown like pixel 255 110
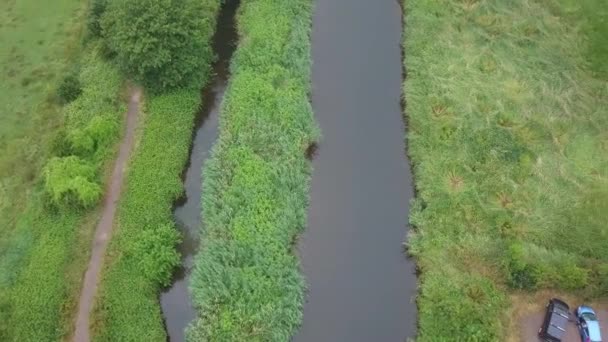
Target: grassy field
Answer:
pixel 142 254
pixel 37 41
pixel 44 248
pixel 508 109
pixel 245 283
pixel 45 258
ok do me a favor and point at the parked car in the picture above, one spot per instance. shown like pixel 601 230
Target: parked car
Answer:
pixel 555 322
pixel 588 325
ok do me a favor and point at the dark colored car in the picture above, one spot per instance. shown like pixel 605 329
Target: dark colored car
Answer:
pixel 555 322
pixel 588 325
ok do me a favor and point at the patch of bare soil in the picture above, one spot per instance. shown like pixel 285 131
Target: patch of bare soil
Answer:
pixel 529 312
pixel 104 227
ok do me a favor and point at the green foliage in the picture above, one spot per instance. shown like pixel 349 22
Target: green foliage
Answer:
pixel 521 275
pixel 69 88
pixel 71 181
pixel 245 282
pixel 507 118
pixel 162 43
pixel 158 256
pixel 97 136
pixel 142 252
pixel 96 10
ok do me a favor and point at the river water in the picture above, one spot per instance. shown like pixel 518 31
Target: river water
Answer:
pixel 361 285
pixel 175 300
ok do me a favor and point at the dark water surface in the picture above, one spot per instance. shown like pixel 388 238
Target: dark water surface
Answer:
pixel 361 285
pixel 175 300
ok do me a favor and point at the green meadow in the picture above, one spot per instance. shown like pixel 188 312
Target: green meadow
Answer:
pixel 507 107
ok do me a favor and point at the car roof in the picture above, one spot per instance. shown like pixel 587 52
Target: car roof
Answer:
pixel 559 318
pixel 584 309
pixel 594 331
pixel 561 303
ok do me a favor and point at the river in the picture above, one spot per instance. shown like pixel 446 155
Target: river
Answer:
pixel 361 285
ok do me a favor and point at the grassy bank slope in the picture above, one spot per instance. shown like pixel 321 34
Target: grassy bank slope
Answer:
pixel 142 253
pixel 507 106
pixel 245 283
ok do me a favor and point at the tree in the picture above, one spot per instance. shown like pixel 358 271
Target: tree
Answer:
pixel 71 181
pixel 161 43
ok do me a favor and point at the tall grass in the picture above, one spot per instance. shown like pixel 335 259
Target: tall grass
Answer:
pixel 507 107
pixel 42 266
pixel 142 253
pixel 245 283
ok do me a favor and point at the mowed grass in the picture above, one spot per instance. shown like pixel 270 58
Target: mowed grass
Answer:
pixel 507 106
pixel 43 261
pixel 245 283
pixel 142 253
pixel 36 41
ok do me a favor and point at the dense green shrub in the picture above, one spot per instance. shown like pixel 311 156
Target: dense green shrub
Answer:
pixel 96 10
pixel 162 43
pixel 155 249
pixel 95 137
pixel 71 181
pixel 245 283
pixel 69 89
pixel 520 274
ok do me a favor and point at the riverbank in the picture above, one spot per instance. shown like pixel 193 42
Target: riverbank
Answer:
pixel 245 283
pixel 506 105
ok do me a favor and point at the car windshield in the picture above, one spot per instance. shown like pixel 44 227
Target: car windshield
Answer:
pixel 588 316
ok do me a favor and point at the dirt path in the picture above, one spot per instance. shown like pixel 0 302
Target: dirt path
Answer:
pixel 104 227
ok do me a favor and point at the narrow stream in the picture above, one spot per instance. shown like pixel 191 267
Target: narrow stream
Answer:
pixel 361 286
pixel 175 300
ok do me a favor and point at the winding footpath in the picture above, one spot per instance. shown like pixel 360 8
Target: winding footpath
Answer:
pixel 104 227
pixel 361 286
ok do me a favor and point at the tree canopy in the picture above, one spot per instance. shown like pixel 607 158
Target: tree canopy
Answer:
pixel 161 43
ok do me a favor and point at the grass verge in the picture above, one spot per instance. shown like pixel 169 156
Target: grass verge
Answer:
pixel 37 293
pixel 142 253
pixel 245 283
pixel 506 103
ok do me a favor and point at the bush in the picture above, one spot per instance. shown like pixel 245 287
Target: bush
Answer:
pixel 70 181
pixel 155 250
pixel 161 43
pixel 520 274
pixel 98 134
pixel 96 11
pixel 69 89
